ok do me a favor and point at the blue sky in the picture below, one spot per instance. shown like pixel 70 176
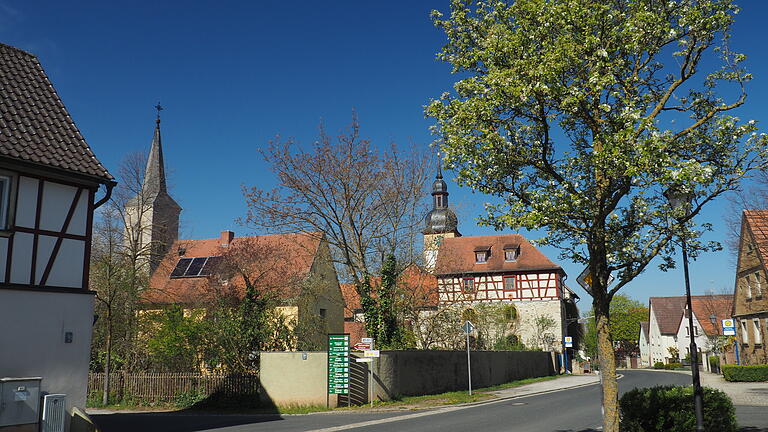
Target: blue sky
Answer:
pixel 233 75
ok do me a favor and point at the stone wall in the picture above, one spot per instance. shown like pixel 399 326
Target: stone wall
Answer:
pixel 410 373
pixel 299 378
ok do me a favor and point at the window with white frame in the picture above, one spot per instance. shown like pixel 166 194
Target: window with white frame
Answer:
pixel 5 201
pixel 744 332
pixel 748 287
pixel 757 331
pixel 758 285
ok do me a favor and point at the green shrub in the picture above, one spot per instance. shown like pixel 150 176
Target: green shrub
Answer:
pixel 670 409
pixel 745 373
pixel 658 365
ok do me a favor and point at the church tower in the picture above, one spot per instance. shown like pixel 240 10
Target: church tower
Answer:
pixel 440 223
pixel 152 216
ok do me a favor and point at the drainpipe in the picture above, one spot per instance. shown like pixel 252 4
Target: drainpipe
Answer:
pixel 107 196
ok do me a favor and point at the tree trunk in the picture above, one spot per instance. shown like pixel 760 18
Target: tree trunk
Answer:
pixel 607 362
pixel 107 361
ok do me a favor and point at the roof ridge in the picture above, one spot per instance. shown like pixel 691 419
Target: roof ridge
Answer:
pixel 18 49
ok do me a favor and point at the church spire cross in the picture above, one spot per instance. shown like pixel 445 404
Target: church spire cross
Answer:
pixel 159 108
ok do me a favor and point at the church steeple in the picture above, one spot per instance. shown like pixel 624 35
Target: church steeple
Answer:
pixel 154 176
pixel 153 215
pixel 440 223
pixel 441 219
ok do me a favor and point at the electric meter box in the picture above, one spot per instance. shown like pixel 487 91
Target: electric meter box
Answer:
pixel 19 401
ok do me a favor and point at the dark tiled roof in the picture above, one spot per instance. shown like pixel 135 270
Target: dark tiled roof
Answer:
pixel 457 255
pixel 35 126
pixel 668 312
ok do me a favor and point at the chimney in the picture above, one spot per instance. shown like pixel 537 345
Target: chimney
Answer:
pixel 226 238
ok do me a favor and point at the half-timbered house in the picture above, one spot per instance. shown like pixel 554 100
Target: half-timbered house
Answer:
pixel 49 179
pixel 498 269
pixel 508 269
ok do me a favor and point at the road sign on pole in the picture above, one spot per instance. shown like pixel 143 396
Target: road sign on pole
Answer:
pixel 729 327
pixel 585 280
pixel 468 328
pixel 568 341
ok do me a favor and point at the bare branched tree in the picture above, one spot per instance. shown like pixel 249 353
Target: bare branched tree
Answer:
pixel 367 201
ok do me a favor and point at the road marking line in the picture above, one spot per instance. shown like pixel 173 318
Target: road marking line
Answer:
pixel 445 410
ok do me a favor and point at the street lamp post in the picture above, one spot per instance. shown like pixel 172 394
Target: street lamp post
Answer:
pixel 681 200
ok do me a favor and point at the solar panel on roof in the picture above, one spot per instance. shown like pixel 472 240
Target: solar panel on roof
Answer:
pixel 181 267
pixel 210 265
pixel 194 268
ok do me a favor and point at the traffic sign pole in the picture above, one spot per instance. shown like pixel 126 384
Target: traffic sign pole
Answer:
pixel 469 367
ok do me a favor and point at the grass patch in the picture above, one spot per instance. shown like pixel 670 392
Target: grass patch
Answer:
pixel 404 402
pixel 450 398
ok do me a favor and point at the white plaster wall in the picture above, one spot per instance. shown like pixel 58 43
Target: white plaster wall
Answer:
pixel 67 270
pixel 57 199
pixel 644 351
pixel 79 222
pixel 684 341
pixel 22 258
pixel 659 342
pixel 26 205
pixel 32 340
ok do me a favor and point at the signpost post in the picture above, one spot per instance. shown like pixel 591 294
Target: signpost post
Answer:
pixel 370 355
pixel 468 328
pixel 338 365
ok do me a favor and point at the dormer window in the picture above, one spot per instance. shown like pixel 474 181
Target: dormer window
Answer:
pixel 511 252
pixel 481 254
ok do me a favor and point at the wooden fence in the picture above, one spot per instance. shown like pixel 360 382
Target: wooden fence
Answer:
pixel 167 387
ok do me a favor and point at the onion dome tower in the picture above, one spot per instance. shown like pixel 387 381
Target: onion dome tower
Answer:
pixel 441 222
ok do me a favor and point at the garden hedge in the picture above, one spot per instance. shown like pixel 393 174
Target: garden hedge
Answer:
pixel 670 409
pixel 745 373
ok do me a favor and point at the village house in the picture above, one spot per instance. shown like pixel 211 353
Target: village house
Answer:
pixel 294 268
pixel 750 307
pixel 49 179
pixel 499 269
pixel 668 327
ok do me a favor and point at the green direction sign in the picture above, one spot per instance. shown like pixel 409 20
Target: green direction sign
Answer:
pixel 338 364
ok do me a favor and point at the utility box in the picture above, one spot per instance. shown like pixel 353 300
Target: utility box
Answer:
pixel 19 401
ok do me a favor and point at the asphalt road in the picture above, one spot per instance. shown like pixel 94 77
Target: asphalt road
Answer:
pixel 574 410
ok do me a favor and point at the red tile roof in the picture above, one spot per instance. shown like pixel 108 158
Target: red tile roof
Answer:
pixel 668 312
pixel 757 224
pixel 35 127
pixel 276 263
pixel 414 281
pixel 718 305
pixel 457 255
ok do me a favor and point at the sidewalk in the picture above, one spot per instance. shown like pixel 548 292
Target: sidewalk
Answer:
pixel 547 386
pixel 742 393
